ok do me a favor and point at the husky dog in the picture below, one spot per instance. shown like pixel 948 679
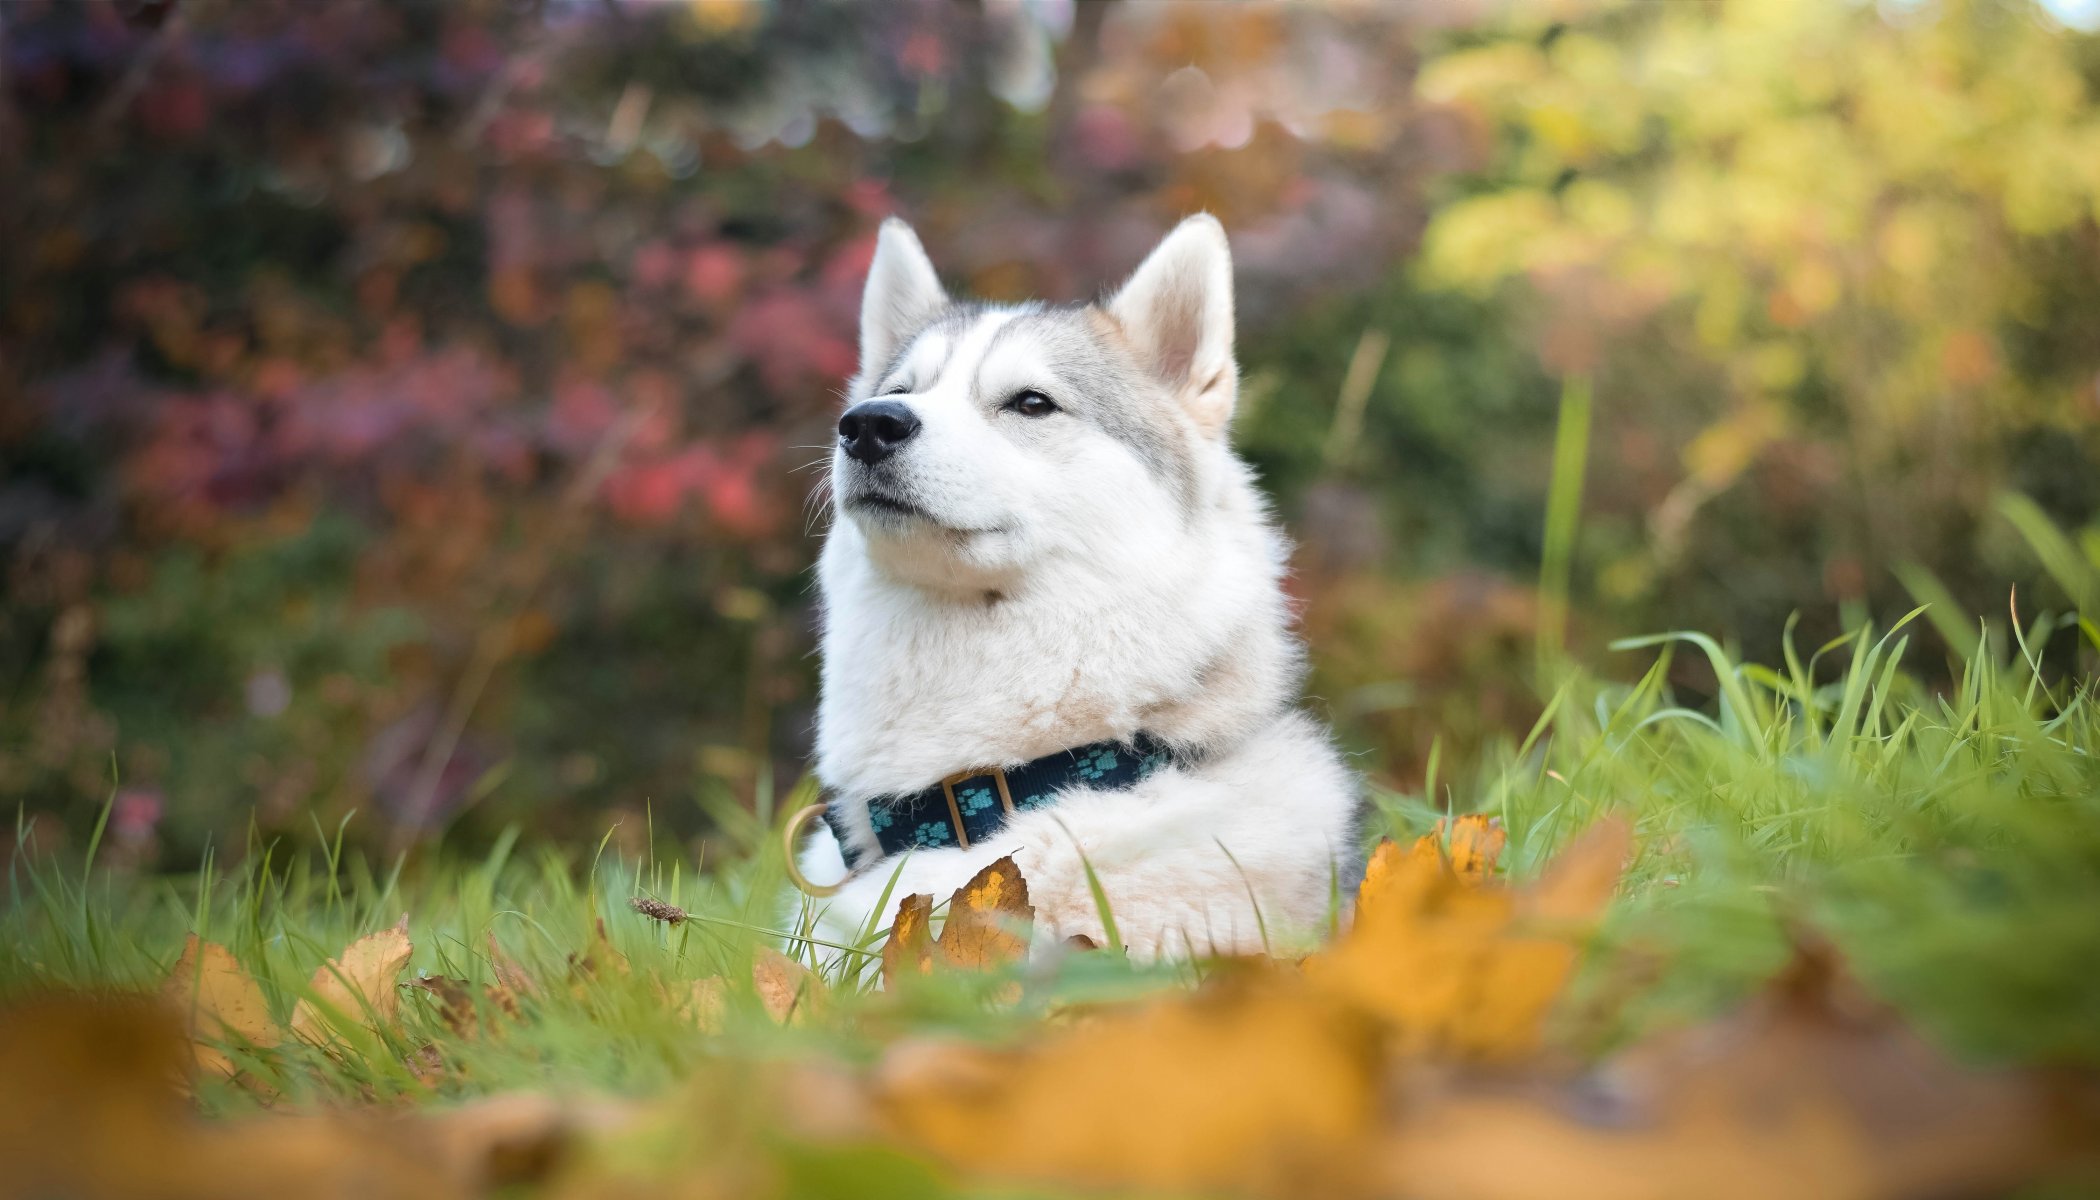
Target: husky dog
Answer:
pixel 1054 625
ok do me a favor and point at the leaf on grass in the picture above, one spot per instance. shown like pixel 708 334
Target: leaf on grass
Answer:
pixel 219 1002
pixel 356 988
pixel 1476 841
pixel 909 950
pixel 601 956
pixel 1227 1088
pixel 512 1140
pixel 455 1000
pixel 989 919
pixel 511 981
pixel 89 1106
pixel 1468 968
pixel 705 1002
pixel 1812 1090
pixel 786 988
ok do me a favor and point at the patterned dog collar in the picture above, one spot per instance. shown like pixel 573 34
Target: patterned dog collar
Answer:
pixel 970 806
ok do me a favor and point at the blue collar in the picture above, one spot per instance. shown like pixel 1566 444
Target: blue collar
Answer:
pixel 970 806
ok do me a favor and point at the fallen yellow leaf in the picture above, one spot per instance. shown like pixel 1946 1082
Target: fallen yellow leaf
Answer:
pixel 1813 1091
pixel 356 988
pixel 705 1003
pixel 89 1107
pixel 909 950
pixel 1246 1085
pixel 1468 968
pixel 786 988
pixel 989 919
pixel 219 1002
pixel 1476 842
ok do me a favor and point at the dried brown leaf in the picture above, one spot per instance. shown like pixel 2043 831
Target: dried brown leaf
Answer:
pixel 705 1003
pixel 1812 1091
pixel 989 919
pixel 786 988
pixel 909 950
pixel 455 999
pixel 356 988
pixel 220 1002
pixel 511 980
pixel 602 955
pixel 89 1107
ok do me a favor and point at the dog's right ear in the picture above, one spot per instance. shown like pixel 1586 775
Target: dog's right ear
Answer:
pixel 903 293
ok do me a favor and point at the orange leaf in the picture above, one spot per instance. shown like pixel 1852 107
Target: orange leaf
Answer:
pixel 1468 968
pixel 1221 1089
pixel 1476 842
pixel 989 919
pixel 909 950
pixel 1811 1090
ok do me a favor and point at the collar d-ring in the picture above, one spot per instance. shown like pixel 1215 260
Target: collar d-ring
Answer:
pixel 794 870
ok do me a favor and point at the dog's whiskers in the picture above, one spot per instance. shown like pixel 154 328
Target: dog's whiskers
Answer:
pixel 816 505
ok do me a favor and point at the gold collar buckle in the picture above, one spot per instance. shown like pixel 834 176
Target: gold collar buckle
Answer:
pixel 998 778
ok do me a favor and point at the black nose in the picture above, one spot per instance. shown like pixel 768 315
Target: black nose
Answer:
pixel 873 429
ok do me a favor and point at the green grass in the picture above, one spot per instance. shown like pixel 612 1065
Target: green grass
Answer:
pixel 1948 842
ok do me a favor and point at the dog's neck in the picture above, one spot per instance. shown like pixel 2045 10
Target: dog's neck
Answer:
pixel 921 681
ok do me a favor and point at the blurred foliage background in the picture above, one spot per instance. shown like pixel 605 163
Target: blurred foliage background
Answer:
pixel 408 408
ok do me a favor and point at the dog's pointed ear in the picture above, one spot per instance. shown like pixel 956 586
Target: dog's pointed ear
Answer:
pixel 1177 312
pixel 902 294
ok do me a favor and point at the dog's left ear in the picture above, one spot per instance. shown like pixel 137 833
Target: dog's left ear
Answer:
pixel 1177 312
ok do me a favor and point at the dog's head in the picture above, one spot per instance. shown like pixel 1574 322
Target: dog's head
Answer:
pixel 980 440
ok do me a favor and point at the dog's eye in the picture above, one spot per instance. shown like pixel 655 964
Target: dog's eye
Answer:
pixel 1031 404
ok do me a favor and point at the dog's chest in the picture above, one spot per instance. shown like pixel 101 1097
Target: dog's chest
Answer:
pixel 912 693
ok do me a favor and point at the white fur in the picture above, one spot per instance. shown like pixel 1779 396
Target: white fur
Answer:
pixel 1062 587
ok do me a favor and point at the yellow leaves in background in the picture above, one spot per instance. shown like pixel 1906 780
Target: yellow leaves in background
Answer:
pixel 1867 187
pixel 718 17
pixel 1476 243
pixel 355 989
pixel 1722 451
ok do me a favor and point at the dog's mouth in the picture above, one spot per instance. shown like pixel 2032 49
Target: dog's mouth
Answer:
pixel 894 511
pixel 888 505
